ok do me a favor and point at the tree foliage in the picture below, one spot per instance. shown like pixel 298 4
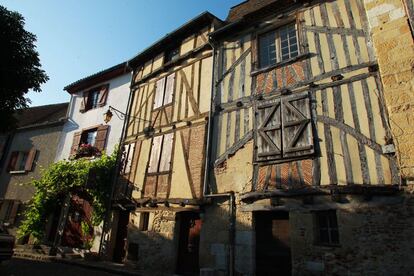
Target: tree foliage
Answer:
pixel 78 176
pixel 20 69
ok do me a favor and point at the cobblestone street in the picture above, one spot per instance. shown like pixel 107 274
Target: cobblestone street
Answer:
pixel 23 267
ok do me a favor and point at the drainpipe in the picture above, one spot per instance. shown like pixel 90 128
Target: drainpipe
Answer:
pixel 230 195
pixel 118 159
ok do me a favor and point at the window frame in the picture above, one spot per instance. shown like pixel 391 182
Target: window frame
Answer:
pixel 278 47
pixel 93 102
pixel 326 215
pixel 170 56
pixel 86 132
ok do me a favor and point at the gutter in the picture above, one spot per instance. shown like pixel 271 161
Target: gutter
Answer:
pixel 118 159
pixel 230 195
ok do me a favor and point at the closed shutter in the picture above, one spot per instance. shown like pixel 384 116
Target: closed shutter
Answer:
pixel 103 95
pixel 155 154
pixel 165 162
pixel 159 93
pixel 30 160
pixel 284 128
pixel 83 102
pixel 13 212
pixel 101 134
pixel 269 138
pixel 297 126
pixel 13 160
pixel 75 143
pixel 129 153
pixel 169 89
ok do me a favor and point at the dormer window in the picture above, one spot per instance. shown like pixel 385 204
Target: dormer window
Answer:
pixel 171 55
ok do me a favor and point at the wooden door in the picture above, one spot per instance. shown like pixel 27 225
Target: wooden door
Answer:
pixel 188 243
pixel 80 210
pixel 273 255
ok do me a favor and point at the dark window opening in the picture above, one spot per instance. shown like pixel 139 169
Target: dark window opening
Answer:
pixel 278 45
pixel 171 55
pixel 93 99
pixel 144 221
pixel 326 228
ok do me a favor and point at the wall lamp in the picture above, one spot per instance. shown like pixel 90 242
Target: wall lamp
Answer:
pixel 148 131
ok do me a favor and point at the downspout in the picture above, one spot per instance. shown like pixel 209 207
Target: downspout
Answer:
pixel 118 159
pixel 230 195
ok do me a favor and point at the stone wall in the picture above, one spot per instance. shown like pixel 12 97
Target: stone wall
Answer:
pixel 156 247
pixel 376 238
pixel 394 49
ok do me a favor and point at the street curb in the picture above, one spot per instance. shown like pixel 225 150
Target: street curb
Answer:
pixel 95 267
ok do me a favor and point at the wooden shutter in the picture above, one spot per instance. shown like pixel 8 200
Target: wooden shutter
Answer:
pixel 103 95
pixel 84 102
pixel 165 162
pixel 30 160
pixel 269 132
pixel 297 126
pixel 284 128
pixel 75 142
pixel 155 154
pixel 13 212
pixel 129 153
pixel 13 160
pixel 169 89
pixel 100 140
pixel 159 93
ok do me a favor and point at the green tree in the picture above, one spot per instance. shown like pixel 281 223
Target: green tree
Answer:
pixel 20 69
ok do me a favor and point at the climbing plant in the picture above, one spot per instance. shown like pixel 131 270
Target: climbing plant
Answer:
pixel 92 177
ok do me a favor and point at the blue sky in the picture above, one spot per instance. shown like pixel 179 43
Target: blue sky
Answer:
pixel 78 38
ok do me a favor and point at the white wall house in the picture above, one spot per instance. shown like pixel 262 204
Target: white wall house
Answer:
pixel 90 99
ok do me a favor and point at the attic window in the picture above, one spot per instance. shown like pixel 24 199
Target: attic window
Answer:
pixel 171 55
pixel 278 45
pixel 93 99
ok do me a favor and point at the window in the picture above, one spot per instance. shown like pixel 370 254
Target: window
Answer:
pixel 94 98
pixel 89 137
pixel 161 154
pixel 171 55
pixel 21 161
pixel 326 225
pixel 278 45
pixel 95 136
pixel 144 221
pixel 164 91
pixel 284 128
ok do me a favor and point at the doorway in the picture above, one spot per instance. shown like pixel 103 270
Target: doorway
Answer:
pixel 189 224
pixel 273 256
pixel 121 236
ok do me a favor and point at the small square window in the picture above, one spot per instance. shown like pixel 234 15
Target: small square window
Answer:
pixel 171 55
pixel 326 228
pixel 278 45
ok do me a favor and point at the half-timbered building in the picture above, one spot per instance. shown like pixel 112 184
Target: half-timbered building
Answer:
pixel 301 165
pixel 164 151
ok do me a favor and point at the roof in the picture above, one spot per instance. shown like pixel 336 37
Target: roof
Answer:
pixel 248 12
pixel 238 11
pixel 41 115
pixel 178 34
pixel 98 77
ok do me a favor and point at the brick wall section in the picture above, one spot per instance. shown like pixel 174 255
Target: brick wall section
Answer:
pixel 393 43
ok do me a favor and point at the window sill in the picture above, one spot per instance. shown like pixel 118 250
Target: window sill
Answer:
pixel 279 64
pixel 18 172
pixel 328 245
